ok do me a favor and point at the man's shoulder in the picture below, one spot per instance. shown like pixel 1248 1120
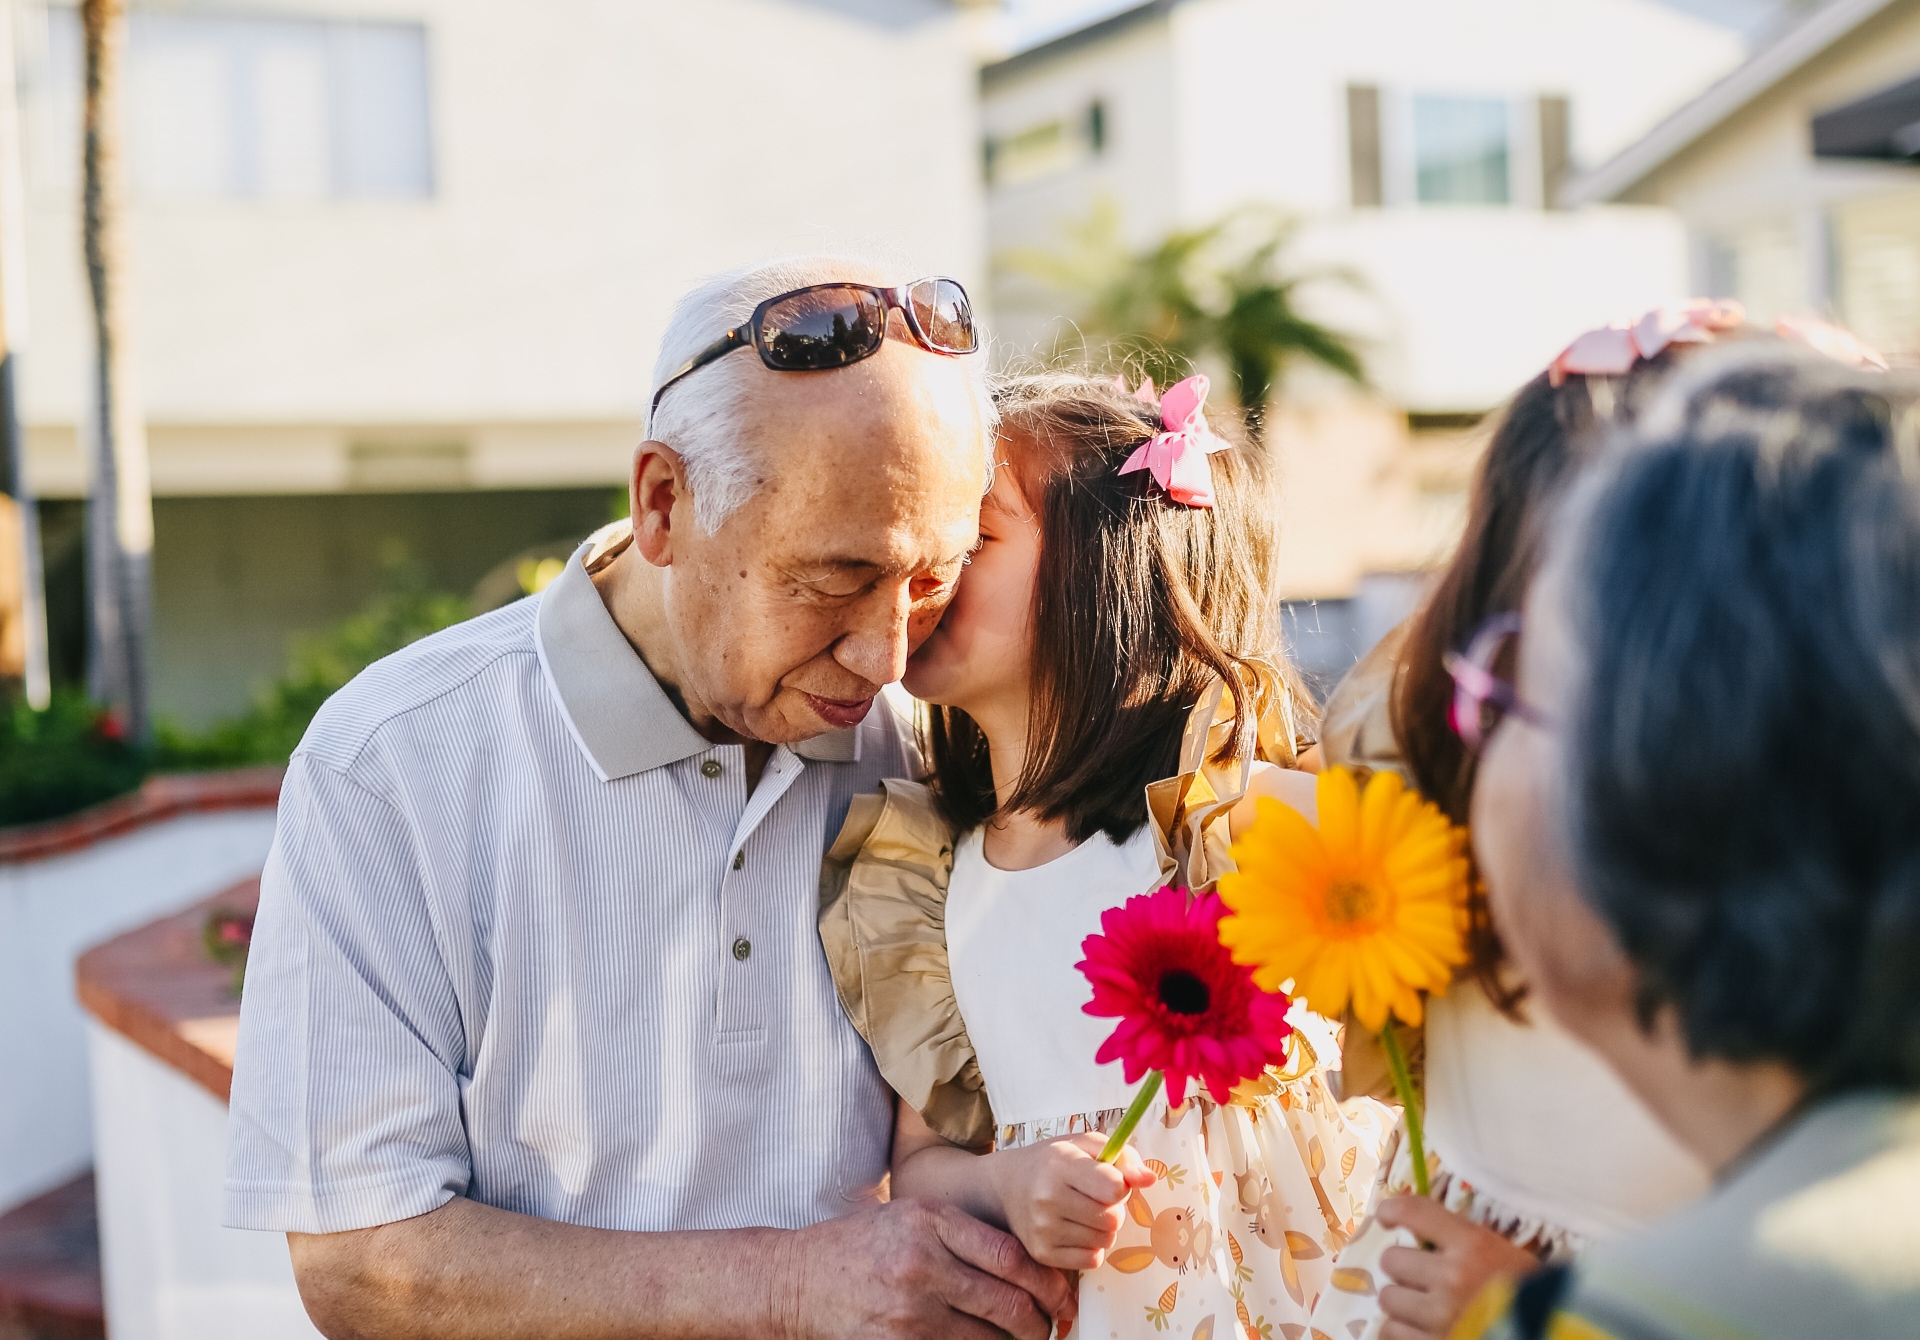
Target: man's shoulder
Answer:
pixel 449 664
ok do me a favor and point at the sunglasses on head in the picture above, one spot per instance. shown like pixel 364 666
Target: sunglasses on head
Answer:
pixel 826 326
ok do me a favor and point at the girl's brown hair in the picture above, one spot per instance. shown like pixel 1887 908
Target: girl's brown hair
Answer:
pixel 1541 438
pixel 1140 604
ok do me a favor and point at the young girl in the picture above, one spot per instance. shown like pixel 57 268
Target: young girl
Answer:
pixel 1109 701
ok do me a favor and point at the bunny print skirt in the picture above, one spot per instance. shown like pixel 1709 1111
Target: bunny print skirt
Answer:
pixel 1238 1236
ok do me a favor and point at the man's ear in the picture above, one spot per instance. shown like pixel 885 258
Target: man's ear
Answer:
pixel 659 482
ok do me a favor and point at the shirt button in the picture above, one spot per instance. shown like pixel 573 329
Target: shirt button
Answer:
pixel 711 768
pixel 741 948
pixel 740 858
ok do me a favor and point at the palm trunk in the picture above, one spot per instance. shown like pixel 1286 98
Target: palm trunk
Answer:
pixel 120 511
pixel 31 609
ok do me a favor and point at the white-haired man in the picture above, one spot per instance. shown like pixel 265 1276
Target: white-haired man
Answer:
pixel 538 1037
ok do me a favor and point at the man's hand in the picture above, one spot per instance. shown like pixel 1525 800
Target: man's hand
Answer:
pixel 915 1269
pixel 1431 1289
pixel 906 1271
pixel 1063 1203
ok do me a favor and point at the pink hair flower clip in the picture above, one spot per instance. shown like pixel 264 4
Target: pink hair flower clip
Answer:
pixel 1177 455
pixel 1612 350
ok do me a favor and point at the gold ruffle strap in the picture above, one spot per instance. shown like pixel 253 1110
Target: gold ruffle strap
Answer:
pixel 883 902
pixel 1183 809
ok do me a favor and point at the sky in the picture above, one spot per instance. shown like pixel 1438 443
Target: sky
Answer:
pixel 1034 21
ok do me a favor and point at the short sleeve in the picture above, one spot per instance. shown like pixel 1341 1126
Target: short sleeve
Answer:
pixel 346 1098
pixel 883 925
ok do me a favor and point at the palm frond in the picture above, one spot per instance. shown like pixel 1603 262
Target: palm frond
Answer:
pixel 1218 290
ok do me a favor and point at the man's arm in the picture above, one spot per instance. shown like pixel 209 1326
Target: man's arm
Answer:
pixel 466 1270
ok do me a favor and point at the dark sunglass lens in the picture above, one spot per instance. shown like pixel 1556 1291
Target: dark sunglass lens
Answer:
pixel 823 328
pixel 945 315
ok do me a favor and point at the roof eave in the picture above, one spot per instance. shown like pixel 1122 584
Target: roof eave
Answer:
pixel 1055 47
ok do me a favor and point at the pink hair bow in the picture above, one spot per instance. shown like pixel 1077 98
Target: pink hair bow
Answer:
pixel 1177 455
pixel 1612 350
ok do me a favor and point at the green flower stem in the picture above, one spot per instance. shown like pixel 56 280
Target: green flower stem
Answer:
pixel 1403 1085
pixel 1149 1088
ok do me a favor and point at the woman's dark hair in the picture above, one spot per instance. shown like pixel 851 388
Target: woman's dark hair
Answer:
pixel 1539 441
pixel 1743 582
pixel 1140 604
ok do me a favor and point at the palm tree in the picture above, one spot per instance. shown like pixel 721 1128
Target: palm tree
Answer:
pixel 1215 290
pixel 120 503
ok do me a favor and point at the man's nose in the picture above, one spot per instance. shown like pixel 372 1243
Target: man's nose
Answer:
pixel 877 648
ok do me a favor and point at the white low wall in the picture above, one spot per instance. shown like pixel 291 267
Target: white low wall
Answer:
pixel 51 910
pixel 172 1271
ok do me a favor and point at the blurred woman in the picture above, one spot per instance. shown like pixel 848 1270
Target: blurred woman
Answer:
pixel 1508 1092
pixel 1699 823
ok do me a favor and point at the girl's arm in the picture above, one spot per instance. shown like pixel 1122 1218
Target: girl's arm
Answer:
pixel 1056 1197
pixel 928 1167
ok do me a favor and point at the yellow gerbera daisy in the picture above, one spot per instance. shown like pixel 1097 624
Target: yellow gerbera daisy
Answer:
pixel 1368 908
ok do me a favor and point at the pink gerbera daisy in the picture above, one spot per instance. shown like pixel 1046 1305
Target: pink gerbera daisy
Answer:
pixel 1185 1007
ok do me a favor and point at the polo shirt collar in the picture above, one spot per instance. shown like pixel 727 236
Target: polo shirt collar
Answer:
pixel 619 715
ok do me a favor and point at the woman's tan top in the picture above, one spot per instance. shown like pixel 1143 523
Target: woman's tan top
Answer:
pixel 1356 728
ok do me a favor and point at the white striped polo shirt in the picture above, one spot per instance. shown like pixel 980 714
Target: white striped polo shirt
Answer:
pixel 526 937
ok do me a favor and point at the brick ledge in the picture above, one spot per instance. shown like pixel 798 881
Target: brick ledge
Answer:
pixel 157 988
pixel 158 799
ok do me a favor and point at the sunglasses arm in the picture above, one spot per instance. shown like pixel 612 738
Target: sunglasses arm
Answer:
pixel 737 338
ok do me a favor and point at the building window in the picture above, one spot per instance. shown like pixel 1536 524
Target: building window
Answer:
pixel 1044 149
pixel 1876 244
pixel 1460 150
pixel 256 108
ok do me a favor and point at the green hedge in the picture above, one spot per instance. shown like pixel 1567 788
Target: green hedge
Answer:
pixel 63 759
pixel 74 754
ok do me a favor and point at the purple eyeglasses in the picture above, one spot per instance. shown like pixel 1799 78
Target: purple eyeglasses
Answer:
pixel 1480 697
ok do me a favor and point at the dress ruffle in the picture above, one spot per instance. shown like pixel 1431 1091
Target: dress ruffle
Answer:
pixel 883 905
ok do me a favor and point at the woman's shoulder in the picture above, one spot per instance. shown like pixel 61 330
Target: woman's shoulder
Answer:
pixel 1270 781
pixel 1356 726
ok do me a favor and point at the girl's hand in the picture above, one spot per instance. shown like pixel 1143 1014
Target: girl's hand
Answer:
pixel 1064 1205
pixel 1431 1288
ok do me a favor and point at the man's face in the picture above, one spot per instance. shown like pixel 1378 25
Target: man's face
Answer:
pixel 791 617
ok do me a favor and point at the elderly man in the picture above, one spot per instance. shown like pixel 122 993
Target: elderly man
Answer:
pixel 539 1039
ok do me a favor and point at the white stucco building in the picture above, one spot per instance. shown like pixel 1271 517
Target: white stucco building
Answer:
pixel 402 264
pixel 1423 145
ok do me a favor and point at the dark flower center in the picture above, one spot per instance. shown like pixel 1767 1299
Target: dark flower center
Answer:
pixel 1183 993
pixel 1351 901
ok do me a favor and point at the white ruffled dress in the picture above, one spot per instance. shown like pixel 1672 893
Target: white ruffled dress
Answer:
pixel 962 978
